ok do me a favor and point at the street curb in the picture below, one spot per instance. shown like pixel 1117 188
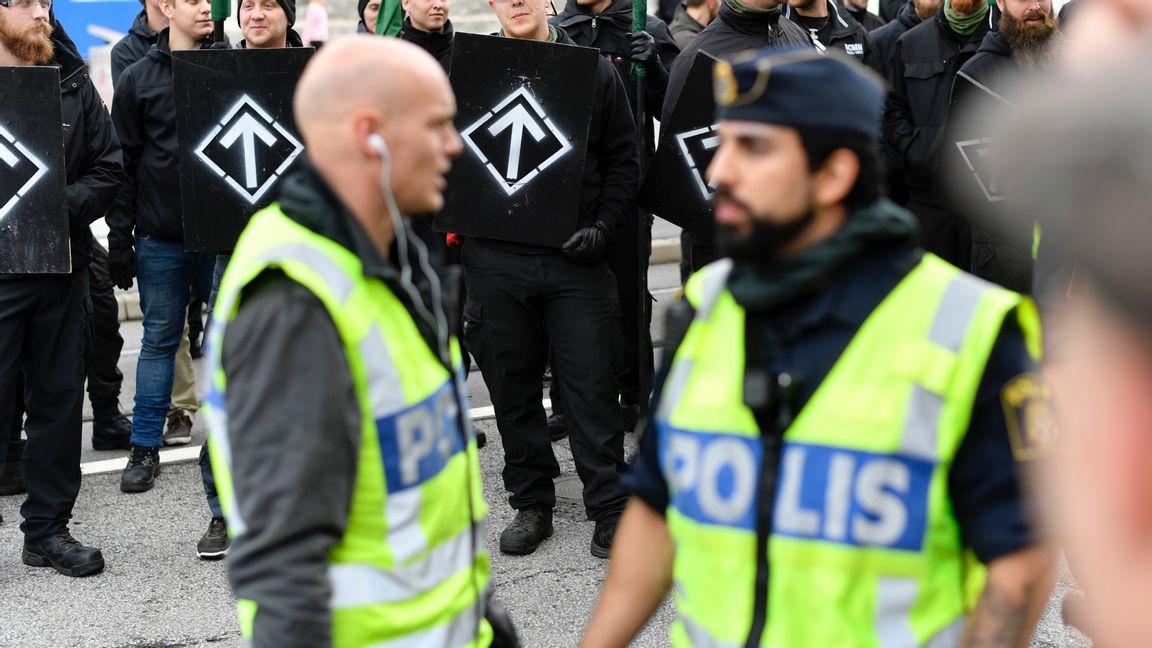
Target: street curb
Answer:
pixel 663 251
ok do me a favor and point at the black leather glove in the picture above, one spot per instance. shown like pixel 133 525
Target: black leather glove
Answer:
pixel 219 45
pixel 587 245
pixel 643 47
pixel 122 267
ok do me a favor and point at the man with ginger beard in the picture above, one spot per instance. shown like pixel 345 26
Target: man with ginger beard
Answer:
pixel 42 317
pixel 1023 46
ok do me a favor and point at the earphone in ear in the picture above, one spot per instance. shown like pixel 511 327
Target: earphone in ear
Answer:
pixel 378 143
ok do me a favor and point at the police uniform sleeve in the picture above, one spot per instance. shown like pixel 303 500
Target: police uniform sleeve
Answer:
pixel 985 482
pixel 294 427
pixel 643 478
pixel 90 195
pixel 127 121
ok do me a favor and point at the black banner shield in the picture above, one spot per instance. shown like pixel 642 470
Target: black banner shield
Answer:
pixel 238 142
pixel 33 207
pixel 676 187
pixel 523 111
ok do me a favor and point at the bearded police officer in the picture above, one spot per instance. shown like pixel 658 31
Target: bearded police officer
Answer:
pixel 830 461
pixel 338 439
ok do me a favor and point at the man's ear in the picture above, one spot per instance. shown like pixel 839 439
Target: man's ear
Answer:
pixel 836 178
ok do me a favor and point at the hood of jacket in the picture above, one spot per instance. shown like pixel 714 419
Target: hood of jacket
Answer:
pixel 996 44
pixel 907 15
pixel 140 26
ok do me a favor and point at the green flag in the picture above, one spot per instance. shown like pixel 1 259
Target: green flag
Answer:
pixel 390 20
pixel 639 23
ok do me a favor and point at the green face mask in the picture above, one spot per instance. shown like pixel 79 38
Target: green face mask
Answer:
pixel 965 25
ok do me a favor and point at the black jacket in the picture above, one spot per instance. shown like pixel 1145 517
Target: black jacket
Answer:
pixel 731 32
pixel 611 169
pixel 438 44
pixel 847 35
pixel 867 19
pixel 884 39
pixel 144 112
pixel 133 46
pixel 608 31
pixel 1001 253
pixel 889 9
pixel 94 166
pixel 924 67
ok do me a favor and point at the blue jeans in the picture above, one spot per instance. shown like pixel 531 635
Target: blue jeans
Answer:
pixel 164 272
pixel 209 481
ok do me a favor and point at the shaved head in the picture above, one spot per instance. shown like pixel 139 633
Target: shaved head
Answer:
pixel 361 72
pixel 366 105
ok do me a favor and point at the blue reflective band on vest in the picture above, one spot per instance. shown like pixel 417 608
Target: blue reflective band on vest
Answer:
pixel 852 497
pixel 417 442
pixel 838 495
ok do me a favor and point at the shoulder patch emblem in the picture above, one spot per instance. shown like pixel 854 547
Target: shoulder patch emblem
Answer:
pixel 1031 419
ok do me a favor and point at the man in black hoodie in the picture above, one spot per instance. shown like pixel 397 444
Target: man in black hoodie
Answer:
pixel 267 24
pixel 42 316
pixel 741 25
pixel 139 39
pixel 924 67
pixel 523 298
pixel 1002 251
pixel 146 227
pixel 607 26
pixel 426 25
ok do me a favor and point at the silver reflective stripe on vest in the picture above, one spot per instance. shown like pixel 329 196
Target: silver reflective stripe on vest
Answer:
pixel 950 636
pixel 354 585
pixel 331 272
pixel 713 282
pixel 384 387
pixel 701 638
pixel 458 632
pixel 894 599
pixel 949 328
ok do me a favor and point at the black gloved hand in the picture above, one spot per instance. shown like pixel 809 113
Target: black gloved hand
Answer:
pixel 122 267
pixel 643 47
pixel 587 245
pixel 219 45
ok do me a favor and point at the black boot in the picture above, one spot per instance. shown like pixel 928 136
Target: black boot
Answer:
pixel 527 531
pixel 602 537
pixel 64 554
pixel 557 427
pixel 111 430
pixel 140 473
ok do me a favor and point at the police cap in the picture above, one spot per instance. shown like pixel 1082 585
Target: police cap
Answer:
pixel 800 88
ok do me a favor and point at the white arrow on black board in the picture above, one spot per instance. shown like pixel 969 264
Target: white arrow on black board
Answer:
pixel 247 129
pixel 517 119
pixel 8 156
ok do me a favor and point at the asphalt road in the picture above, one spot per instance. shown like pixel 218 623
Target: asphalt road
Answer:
pixel 156 593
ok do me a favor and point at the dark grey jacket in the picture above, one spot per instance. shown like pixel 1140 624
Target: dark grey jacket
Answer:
pixel 133 46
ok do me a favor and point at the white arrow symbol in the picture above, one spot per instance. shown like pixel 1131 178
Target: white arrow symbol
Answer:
pixel 248 128
pixel 8 156
pixel 518 119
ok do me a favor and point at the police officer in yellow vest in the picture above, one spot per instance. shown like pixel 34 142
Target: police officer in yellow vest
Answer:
pixel 831 461
pixel 347 474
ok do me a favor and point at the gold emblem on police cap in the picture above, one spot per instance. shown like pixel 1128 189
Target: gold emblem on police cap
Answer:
pixel 724 83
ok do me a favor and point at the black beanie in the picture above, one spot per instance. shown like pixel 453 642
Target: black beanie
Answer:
pixel 289 7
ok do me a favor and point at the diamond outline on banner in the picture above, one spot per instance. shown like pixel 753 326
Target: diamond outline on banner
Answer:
pixel 523 181
pixel 297 149
pixel 12 161
pixel 697 174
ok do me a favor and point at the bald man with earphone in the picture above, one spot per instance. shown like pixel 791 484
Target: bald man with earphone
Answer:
pixel 346 466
